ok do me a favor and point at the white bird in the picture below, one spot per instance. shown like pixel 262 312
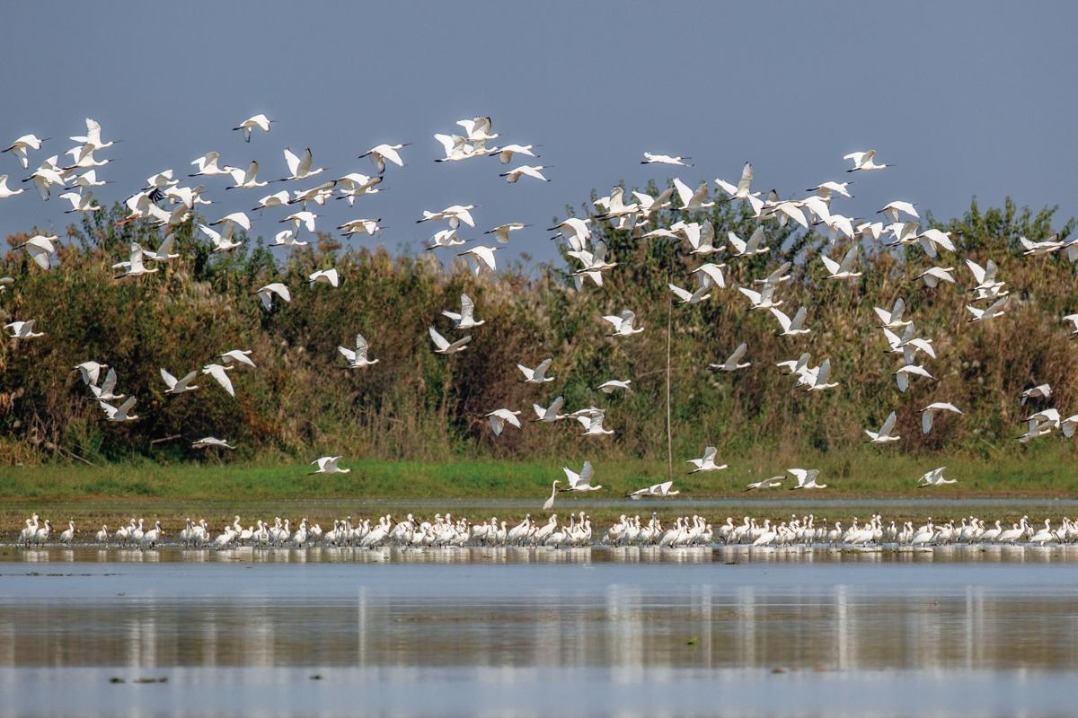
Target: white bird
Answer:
pixel 731 363
pixel 764 299
pixel 575 231
pixel 551 413
pixel 612 385
pixel 41 249
pixel 357 358
pixel 824 190
pixel 863 161
pixel 995 310
pixel 710 273
pixel 465 319
pixel 694 297
pixel 533 171
pixel 246 178
pixel 287 238
pixel 743 190
pixel 267 292
pixel 884 435
pixel 549 503
pixel 380 154
pixel 239 219
pixel 299 166
pixel 222 241
pixel 903 374
pixel 581 481
pixel 178 386
pixel 657 490
pixel 107 390
pixel 806 478
pixel 845 269
pixel 707 461
pixel 1041 391
pixel 592 421
pixel 443 346
pixel 208 441
pixel 894 209
pixel 650 159
pixel 6 191
pixel 506 153
pixel 328 465
pixel 500 417
pixel 754 245
pixel 220 373
pixel 502 231
pixel 134 266
pixel 817 379
pixel 20 146
pixel 247 126
pixel 242 356
pixel 791 327
pixel 209 166
pixel 772 483
pixel 935 275
pixel 164 252
pixel 23 330
pixel 929 412
pixel 480 257
pixel 90 371
pixel 121 413
pixel 892 318
pixel 1073 319
pixel 360 226
pixel 623 323
pixel 935 478
pixel 538 374
pixel 690 199
pixel 303 218
pixel 1037 249
pixel 328 276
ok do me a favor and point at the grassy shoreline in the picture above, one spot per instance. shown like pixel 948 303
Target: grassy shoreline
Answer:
pixel 479 489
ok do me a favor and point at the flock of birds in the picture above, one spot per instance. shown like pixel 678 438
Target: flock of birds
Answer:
pixel 166 201
pixel 445 531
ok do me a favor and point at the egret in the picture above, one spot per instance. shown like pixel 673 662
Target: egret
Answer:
pixel 707 461
pixel 465 319
pixel 662 490
pixel 444 346
pixel 929 412
pixel 220 374
pixel 500 417
pixel 327 276
pixel 580 481
pixel 732 361
pixel 121 413
pixel 266 294
pixel 178 386
pixel 247 126
pixel 538 374
pixel 380 154
pixel 533 171
pixel 623 324
pixel 208 441
pixel 806 478
pixel 863 161
pixel 884 435
pixel 328 465
pixel 358 357
pixel 654 159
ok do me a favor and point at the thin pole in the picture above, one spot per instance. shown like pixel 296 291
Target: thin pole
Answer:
pixel 669 427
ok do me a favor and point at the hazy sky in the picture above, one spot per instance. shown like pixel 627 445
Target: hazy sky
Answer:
pixel 966 98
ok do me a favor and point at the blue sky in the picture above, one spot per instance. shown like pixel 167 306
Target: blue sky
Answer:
pixel 966 98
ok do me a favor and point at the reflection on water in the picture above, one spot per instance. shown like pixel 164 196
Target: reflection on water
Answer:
pixel 519 607
pixel 490 620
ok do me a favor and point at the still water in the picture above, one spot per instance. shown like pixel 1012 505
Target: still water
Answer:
pixel 525 632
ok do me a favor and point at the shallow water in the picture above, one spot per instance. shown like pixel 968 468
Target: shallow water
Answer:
pixel 538 632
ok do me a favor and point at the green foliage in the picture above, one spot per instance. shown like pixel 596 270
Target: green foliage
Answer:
pixel 415 405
